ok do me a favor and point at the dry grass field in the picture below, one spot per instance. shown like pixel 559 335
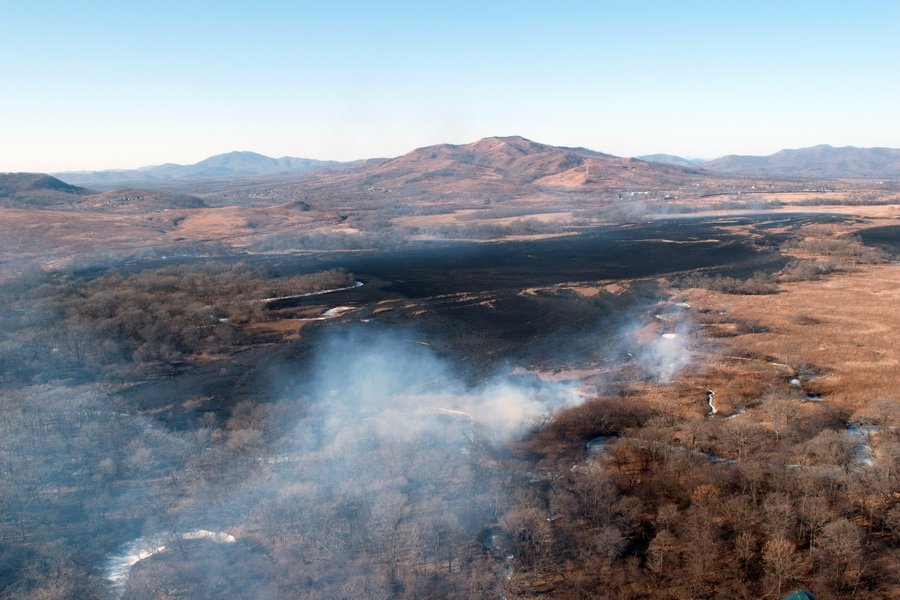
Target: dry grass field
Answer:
pixel 845 325
pixel 842 328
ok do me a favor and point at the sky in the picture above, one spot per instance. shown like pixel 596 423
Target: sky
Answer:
pixel 110 84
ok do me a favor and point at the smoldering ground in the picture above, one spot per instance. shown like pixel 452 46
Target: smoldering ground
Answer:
pixel 382 474
pixel 384 470
pixel 373 477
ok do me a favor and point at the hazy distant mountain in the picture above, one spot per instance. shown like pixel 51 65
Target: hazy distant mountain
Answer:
pixel 671 159
pixel 39 190
pixel 821 162
pixel 232 165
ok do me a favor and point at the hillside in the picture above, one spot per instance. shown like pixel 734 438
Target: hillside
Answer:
pixel 42 191
pixel 17 184
pixel 517 160
pixel 821 162
pixel 38 190
pixel 231 165
pixel 498 168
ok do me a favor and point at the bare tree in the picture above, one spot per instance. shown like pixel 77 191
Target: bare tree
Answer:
pixel 782 561
pixel 663 553
pixel 839 552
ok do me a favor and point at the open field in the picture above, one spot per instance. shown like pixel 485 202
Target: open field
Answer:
pixel 843 326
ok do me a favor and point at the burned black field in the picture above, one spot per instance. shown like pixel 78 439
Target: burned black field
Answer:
pixel 466 302
pixel 650 249
pixel 886 238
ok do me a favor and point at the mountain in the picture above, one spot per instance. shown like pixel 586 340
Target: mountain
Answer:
pixel 496 167
pixel 671 159
pixel 232 165
pixel 512 158
pixel 820 162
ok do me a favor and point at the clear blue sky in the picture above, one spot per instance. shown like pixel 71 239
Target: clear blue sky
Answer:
pixel 88 84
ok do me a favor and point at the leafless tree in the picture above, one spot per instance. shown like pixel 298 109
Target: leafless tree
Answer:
pixel 782 562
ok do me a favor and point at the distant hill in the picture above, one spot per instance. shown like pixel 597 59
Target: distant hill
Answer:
pixel 39 190
pixel 18 184
pixel 232 165
pixel 671 159
pixel 820 162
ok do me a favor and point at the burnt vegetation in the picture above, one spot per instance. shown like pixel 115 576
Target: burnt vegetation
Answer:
pixel 98 324
pixel 819 250
pixel 636 492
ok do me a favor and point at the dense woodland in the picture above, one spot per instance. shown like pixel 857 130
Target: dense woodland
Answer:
pixel 118 320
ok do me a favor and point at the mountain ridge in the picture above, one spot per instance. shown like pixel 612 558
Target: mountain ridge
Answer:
pixel 497 167
pixel 822 161
pixel 671 159
pixel 512 158
pixel 236 164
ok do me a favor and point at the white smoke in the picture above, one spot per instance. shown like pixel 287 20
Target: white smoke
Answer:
pixel 667 354
pixel 661 348
pixel 394 385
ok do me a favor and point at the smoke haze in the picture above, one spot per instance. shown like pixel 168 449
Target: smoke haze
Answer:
pixel 381 464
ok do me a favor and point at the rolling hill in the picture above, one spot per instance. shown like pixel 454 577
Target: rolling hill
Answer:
pixel 18 184
pixel 38 190
pixel 231 165
pixel 820 162
pixel 42 191
pixel 817 162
